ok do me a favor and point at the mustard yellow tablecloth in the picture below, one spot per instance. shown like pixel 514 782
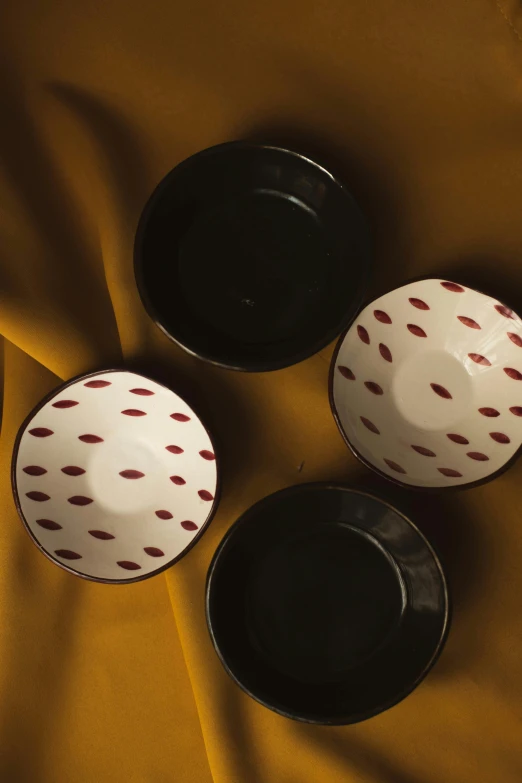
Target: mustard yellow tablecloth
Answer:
pixel 418 104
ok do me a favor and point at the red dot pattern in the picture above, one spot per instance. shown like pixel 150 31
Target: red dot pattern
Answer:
pixel 470 322
pixel 383 317
pixel 385 352
pixel 373 387
pixel 34 470
pixel 369 425
pixel 363 334
pixel 129 473
pixel 416 330
pixel 98 384
pixel 420 304
pixel 346 372
pixel 454 287
pixel 163 514
pixel 79 500
pixel 440 390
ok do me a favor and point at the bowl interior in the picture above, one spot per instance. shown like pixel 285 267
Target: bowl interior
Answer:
pixel 325 604
pixel 251 257
pixel 425 385
pixel 115 476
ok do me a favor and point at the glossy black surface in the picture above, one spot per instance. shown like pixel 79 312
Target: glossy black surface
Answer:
pixel 326 604
pixel 251 257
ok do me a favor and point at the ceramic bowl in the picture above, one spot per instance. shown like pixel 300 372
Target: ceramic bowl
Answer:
pixel 114 476
pixel 426 388
pixel 251 257
pixel 326 605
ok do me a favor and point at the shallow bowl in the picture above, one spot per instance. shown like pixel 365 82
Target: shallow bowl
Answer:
pixel 426 388
pixel 114 476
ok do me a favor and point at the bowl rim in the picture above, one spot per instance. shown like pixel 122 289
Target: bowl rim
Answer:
pixel 356 453
pixel 345 487
pixel 260 366
pixel 14 460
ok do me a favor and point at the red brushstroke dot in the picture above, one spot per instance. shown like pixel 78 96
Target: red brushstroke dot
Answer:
pixel 40 497
pixel 418 303
pixel 174 449
pixel 206 454
pixel 441 391
pixel 479 359
pixel 142 392
pixel 450 473
pixel 48 524
pixel 383 317
pixel 179 417
pixel 204 494
pixel 500 437
pixel 346 372
pixel 131 474
pixel 478 456
pixel 468 322
pixel 133 412
pixel 128 565
pixel 490 412
pixel 41 432
pixel 163 514
pixel 67 554
pixel 65 404
pixel 97 384
pixel 79 500
pixel 90 438
pixel 101 534
pixel 416 330
pixel 394 466
pixel 457 289
pixel 373 387
pixel 369 425
pixel 188 525
pixel 153 551
pixel 73 470
pixel 178 480
pixel 34 470
pixel 515 338
pixel 385 352
pixel 515 375
pixel 363 334
pixel 505 311
pixel 458 438
pixel 425 452
pixel 516 410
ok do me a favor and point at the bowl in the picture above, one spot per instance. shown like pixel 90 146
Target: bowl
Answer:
pixel 326 604
pixel 114 476
pixel 425 385
pixel 251 257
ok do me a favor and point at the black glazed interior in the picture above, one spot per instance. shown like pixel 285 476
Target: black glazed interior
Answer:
pixel 325 604
pixel 252 257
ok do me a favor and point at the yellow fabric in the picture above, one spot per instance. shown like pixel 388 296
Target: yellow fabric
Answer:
pixel 419 106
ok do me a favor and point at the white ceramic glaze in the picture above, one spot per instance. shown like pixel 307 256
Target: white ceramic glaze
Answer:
pixel 115 476
pixel 427 384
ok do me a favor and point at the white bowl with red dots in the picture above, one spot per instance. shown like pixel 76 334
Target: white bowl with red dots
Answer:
pixel 114 476
pixel 426 385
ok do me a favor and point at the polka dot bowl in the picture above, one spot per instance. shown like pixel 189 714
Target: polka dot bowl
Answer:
pixel 426 385
pixel 114 476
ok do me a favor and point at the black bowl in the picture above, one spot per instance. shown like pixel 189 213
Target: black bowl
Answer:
pixel 326 604
pixel 251 257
